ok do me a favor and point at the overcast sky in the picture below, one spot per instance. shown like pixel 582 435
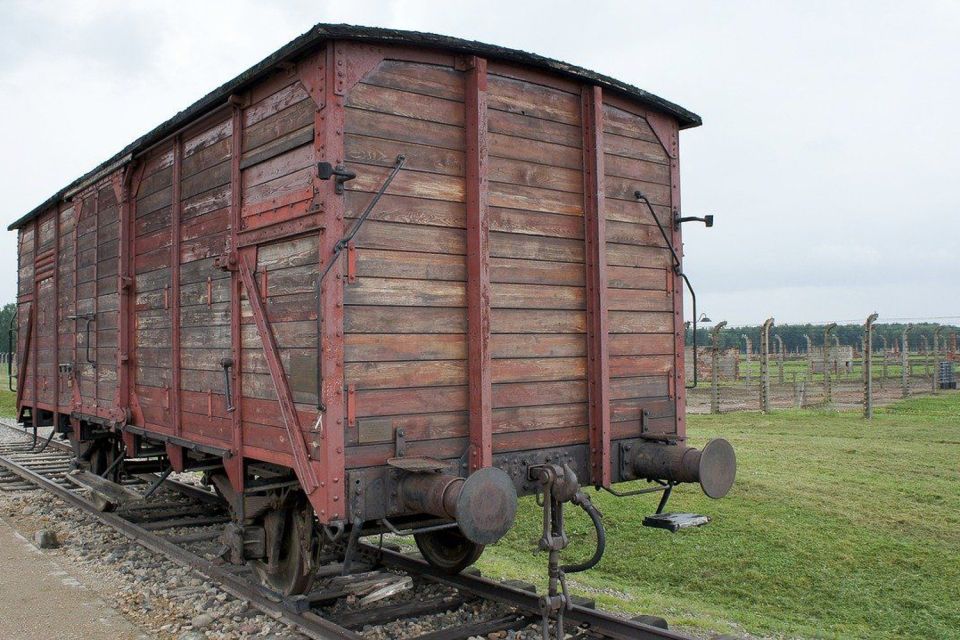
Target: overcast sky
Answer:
pixel 830 149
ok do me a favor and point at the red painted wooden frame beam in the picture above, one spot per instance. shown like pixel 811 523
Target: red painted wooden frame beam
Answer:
pixel 234 466
pixel 598 365
pixel 478 266
pixel 36 321
pixel 174 452
pixel 125 188
pixel 57 312
pixel 328 125
pixel 288 410
pixel 76 399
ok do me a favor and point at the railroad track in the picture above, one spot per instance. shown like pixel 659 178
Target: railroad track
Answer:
pixel 182 522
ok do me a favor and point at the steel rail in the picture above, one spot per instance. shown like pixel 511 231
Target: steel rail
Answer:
pixel 527 604
pixel 606 624
pixel 312 626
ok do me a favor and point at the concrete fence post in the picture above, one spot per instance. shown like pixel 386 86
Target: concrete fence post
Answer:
pixel 715 367
pixel 883 360
pixel 765 365
pixel 868 366
pixel 809 354
pixel 748 346
pixel 925 352
pixel 936 358
pixel 827 382
pixel 905 361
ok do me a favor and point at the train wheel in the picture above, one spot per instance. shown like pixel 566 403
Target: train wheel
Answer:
pixel 290 543
pixel 448 549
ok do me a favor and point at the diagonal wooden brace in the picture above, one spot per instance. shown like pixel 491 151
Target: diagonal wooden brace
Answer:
pixel 291 421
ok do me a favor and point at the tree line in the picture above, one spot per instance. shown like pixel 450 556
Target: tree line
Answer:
pixel 849 334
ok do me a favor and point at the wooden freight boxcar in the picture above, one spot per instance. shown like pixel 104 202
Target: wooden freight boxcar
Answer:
pixel 231 293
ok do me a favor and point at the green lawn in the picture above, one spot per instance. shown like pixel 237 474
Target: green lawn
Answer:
pixel 8 399
pixel 836 528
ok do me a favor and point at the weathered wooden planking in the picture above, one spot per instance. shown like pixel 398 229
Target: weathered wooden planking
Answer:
pixel 625 189
pixel 639 300
pixel 388 100
pixel 401 209
pixel 640 171
pixel 379 319
pixel 537 369
pixel 638 344
pixel 416 400
pixel 522 126
pixel 404 129
pixel 634 149
pixel 411 237
pixel 531 99
pixel 385 347
pixel 422 426
pixel 288 335
pixel 425 79
pixel 293 118
pixel 645 365
pixel 526 419
pixel 537 321
pixel 515 271
pixel 640 322
pixel 534 151
pixel 638 278
pixel 277 167
pixel 531 174
pixel 526 345
pixel 378 263
pixel 291 93
pixel 626 255
pixel 535 296
pixel 415 184
pixel 405 293
pixel 513 196
pixel 366 150
pixel 395 375
pixel 626 409
pixel 624 123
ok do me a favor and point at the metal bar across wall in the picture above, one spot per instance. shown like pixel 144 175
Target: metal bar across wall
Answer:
pixel 598 367
pixel 478 266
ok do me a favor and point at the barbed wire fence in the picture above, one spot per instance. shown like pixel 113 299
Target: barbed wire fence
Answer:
pixel 823 372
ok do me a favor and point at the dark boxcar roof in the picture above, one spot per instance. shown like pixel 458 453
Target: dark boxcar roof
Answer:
pixel 323 32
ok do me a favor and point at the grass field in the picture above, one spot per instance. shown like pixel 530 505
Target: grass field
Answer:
pixel 836 528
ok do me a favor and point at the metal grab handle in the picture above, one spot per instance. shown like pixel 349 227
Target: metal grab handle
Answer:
pixel 677 269
pixel 226 363
pixel 10 342
pixel 89 317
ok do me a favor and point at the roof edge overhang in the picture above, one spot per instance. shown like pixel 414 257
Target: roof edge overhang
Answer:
pixel 323 32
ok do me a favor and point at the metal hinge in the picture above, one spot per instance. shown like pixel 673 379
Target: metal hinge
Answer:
pixel 339 173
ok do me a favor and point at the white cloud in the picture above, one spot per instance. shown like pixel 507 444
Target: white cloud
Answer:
pixel 828 153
